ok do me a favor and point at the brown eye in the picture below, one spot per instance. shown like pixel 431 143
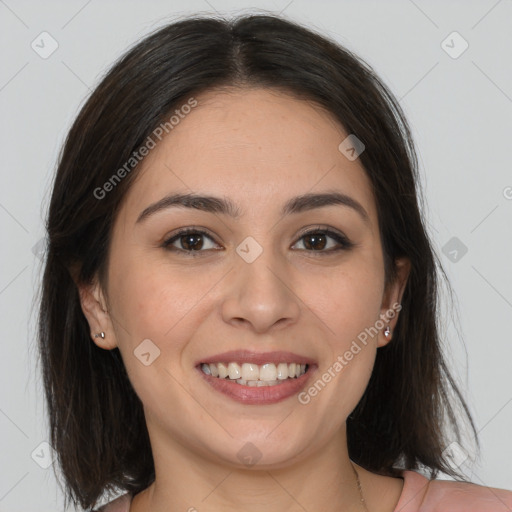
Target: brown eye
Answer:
pixel 318 240
pixel 189 240
pixel 315 241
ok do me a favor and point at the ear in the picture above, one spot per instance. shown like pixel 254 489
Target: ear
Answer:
pixel 392 298
pixel 94 306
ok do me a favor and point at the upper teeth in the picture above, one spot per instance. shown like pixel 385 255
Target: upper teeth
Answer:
pixel 252 372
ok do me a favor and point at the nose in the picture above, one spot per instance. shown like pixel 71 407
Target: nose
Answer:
pixel 260 295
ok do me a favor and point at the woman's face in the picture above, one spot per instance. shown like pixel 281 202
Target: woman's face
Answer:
pixel 255 284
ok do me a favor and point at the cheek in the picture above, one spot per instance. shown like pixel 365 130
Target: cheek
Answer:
pixel 151 297
pixel 348 303
pixel 349 300
pixel 157 302
pixel 149 313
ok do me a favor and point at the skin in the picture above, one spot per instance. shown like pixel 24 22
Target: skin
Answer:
pixel 259 148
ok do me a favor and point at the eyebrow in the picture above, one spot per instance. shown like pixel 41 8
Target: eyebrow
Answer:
pixel 225 206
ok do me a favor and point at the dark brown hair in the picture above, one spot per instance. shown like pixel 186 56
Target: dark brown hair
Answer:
pixel 96 420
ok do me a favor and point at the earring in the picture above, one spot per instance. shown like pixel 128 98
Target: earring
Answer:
pixel 100 335
pixel 387 331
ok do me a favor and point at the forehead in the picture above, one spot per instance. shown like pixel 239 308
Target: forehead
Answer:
pixel 257 146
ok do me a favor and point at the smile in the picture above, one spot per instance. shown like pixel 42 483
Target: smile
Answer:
pixel 255 375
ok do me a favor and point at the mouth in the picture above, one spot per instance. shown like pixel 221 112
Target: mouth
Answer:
pixel 257 378
pixel 255 375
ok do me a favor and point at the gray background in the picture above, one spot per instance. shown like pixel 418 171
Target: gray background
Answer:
pixel 460 110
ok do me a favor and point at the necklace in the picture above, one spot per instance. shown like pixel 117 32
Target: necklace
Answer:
pixel 363 502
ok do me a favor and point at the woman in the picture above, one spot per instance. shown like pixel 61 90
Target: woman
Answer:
pixel 239 300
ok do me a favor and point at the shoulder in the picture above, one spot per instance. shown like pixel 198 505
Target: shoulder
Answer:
pixel 420 494
pixel 120 504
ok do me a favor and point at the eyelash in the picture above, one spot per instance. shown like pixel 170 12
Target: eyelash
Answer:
pixel 344 243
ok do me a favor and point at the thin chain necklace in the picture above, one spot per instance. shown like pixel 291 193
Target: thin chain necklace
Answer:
pixel 363 502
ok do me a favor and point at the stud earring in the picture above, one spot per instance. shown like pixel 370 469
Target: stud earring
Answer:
pixel 387 331
pixel 100 335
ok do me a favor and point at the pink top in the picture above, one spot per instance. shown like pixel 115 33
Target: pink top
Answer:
pixel 419 494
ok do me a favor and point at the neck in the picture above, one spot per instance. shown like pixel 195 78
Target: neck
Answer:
pixel 188 481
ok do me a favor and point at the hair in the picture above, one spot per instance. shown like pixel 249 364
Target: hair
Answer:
pixel 96 420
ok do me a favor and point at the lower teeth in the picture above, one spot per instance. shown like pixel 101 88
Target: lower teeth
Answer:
pixel 258 383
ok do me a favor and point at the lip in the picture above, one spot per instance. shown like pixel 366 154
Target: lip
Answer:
pixel 264 395
pixel 247 356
